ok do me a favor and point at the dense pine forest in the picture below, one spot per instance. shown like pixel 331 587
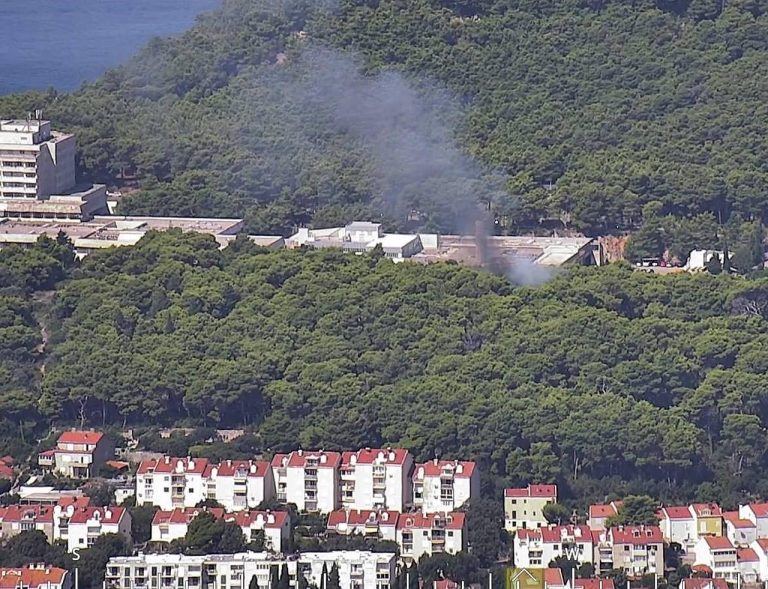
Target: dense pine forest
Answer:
pixel 604 379
pixel 582 111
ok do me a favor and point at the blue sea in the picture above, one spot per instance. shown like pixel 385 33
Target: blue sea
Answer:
pixel 63 43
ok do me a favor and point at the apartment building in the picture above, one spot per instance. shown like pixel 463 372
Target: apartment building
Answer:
pixel 441 486
pixel 757 513
pixel 380 524
pixel 741 532
pixel 37 175
pixel 357 570
pixel 708 519
pixel 718 554
pixel 639 550
pixel 376 479
pixel 78 454
pixel 275 526
pixel 309 479
pixel 80 527
pixel 749 565
pixel 537 547
pixel 171 482
pixel 760 548
pixel 35 577
pixel 15 519
pixel 433 533
pixel 703 583
pixel 599 514
pixel 239 484
pixel 678 526
pixel 524 507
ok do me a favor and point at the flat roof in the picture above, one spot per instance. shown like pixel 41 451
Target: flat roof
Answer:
pixel 202 224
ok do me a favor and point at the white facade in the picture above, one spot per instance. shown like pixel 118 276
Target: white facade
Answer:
pixel 240 484
pixel 308 479
pixel 171 482
pixel 719 554
pixel 357 570
pixel 381 524
pixel 376 479
pixel 85 525
pixel 419 534
pixel 678 526
pixel 740 532
pixel 757 513
pixel 760 547
pixel 444 485
pixel 536 548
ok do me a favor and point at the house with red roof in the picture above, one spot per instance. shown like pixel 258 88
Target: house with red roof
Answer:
pixel 432 533
pixel 638 550
pixel 309 479
pixel 35 577
pixel 524 506
pixel 553 578
pixel 85 524
pixel 239 484
pixel 78 454
pixel 169 482
pixel 708 518
pixel 366 522
pixel 760 548
pixel 741 532
pixel 703 583
pixel 718 554
pixel 757 513
pixel 15 519
pixel 599 514
pixel 678 525
pixel 440 486
pixel 376 478
pixel 592 584
pixel 749 565
pixel 537 547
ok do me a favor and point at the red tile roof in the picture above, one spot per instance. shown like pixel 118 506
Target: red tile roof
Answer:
pixel 445 584
pixel 637 535
pixel 555 534
pixel 106 515
pixel 371 455
pixel 594 584
pixel 418 521
pixel 746 555
pixel 553 577
pixel 677 512
pixel 80 437
pixel 700 583
pixel 718 543
pixel 261 519
pixel 759 509
pixel 31 513
pixel 184 515
pixel 601 511
pixel 74 501
pixel 228 468
pixel 434 468
pixel 532 491
pixel 299 459
pixel 763 543
pixel 707 509
pixel 6 472
pixel 32 577
pixel 732 517
pixel 360 517
pixel 167 465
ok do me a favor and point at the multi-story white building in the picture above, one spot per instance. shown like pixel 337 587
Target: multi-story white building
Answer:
pixel 309 479
pixel 376 479
pixel 719 554
pixel 678 526
pixel 757 513
pixel 78 454
pixel 239 484
pixel 537 547
pixel 81 526
pixel 380 524
pixel 760 548
pixel 749 565
pixel 432 533
pixel 524 506
pixel 37 175
pixel 275 526
pixel 741 532
pixel 357 570
pixel 440 486
pixel 171 482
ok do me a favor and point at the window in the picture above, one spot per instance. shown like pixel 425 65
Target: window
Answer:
pixel 626 548
pixel 450 534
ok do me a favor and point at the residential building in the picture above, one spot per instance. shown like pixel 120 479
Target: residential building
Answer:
pixel 757 513
pixel 678 526
pixel 239 484
pixel 760 548
pixel 599 514
pixel 433 533
pixel 598 583
pixel 15 519
pixel 444 485
pixel 524 507
pixel 37 175
pixel 171 482
pixel 749 565
pixel 741 532
pixel 35 577
pixel 376 479
pixel 81 526
pixel 357 569
pixel 275 526
pixel 381 524
pixel 309 479
pixel 553 579
pixel 703 583
pixel 639 550
pixel 708 518
pixel 718 554
pixel 537 547
pixel 78 454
